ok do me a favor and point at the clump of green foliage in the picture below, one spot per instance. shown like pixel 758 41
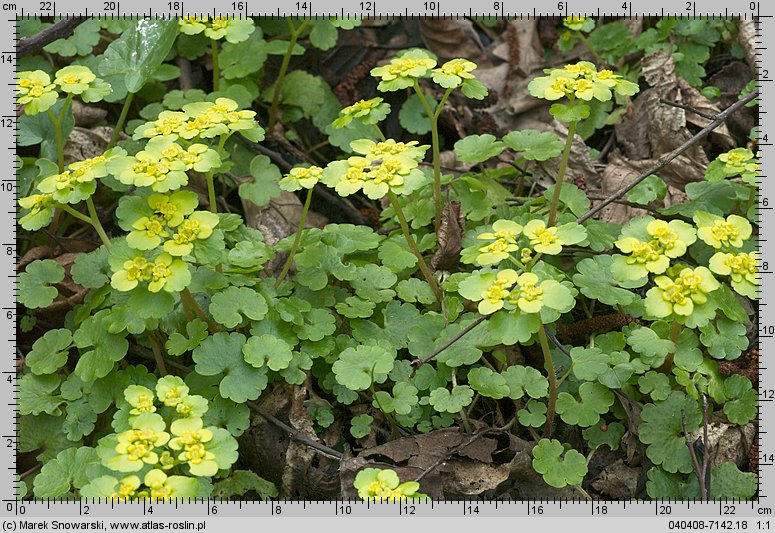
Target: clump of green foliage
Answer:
pixel 356 314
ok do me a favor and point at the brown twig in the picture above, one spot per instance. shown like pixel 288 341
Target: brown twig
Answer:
pixel 419 362
pixel 693 453
pixel 663 161
pixel 705 473
pixel 688 108
pixel 186 76
pixel 60 30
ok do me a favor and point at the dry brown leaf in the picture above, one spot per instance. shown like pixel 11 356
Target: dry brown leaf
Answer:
pixel 746 37
pixel 450 237
pixel 449 37
pixel 87 143
pixel 618 481
pixel 727 442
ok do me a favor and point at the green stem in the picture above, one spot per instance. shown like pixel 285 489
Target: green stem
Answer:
pixel 675 332
pixel 582 491
pixel 380 135
pixel 188 301
pixel 157 353
pixel 95 221
pixel 211 192
pixel 598 59
pixel 426 272
pixel 80 216
pixel 561 173
pixel 121 120
pixel 216 67
pixel 549 365
pixel 433 116
pixel 295 33
pixel 58 139
pixel 296 241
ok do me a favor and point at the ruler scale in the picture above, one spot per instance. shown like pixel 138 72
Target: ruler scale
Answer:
pixel 198 515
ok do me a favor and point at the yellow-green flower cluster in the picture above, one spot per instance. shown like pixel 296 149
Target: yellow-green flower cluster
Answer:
pixel 728 235
pixel 506 289
pixel 158 486
pixel 74 185
pixel 668 240
pixel 301 178
pixel 578 23
pixel 404 70
pixel 580 80
pixel 508 237
pixel 203 120
pixel 234 30
pixel 37 93
pixel 163 164
pixel 169 220
pixel 164 272
pixel 162 428
pixel 380 167
pixel 678 295
pixel 370 112
pixel 738 162
pixel 378 484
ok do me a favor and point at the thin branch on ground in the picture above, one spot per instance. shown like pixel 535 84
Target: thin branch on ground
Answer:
pixel 60 30
pixel 688 108
pixel 556 342
pixel 663 161
pixel 695 462
pixel 705 473
pixel 419 362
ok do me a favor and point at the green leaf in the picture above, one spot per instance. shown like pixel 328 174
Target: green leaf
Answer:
pixel 655 384
pixel 84 38
pixel 401 402
pixel 652 347
pixel 221 354
pixel 589 363
pixel 445 401
pixel 523 380
pixel 513 328
pixel 396 256
pixel 687 354
pixel 558 467
pixel 242 481
pixel 413 117
pixel 596 399
pixel 570 113
pixel 301 90
pixel 49 352
pixel 130 61
pixel 265 184
pixel 533 415
pixel 741 406
pixel 91 270
pixel 43 435
pixel 80 420
pixel 228 307
pixel 361 426
pixel 38 129
pixel 650 189
pixel 727 482
pixel 235 417
pixel 595 280
pixel 35 290
pixel 178 344
pixel 318 324
pixel 608 434
pixel 725 339
pixel 242 59
pixel 535 145
pixel 478 148
pixel 664 486
pixel 488 383
pixel 359 367
pixel 661 431
pixel 36 395
pixel 71 469
pixel 267 350
pixel 107 348
pixel 415 290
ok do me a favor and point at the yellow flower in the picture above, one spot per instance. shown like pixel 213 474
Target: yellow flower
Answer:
pixel 507 230
pixel 127 486
pixel 672 237
pixel 742 267
pixel 402 71
pixel 35 91
pixel 644 257
pixel 496 293
pixel 720 233
pixel 495 252
pixel 679 296
pixel 74 79
pixel 301 178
